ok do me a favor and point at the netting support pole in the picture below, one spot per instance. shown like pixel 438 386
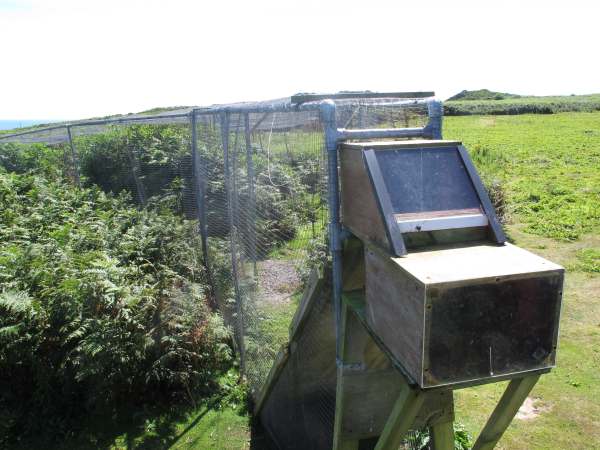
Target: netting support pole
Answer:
pixel 239 324
pixel 74 158
pixel 136 169
pixel 435 111
pixel 199 186
pixel 333 191
pixel 251 196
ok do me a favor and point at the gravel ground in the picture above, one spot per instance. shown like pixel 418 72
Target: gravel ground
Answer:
pixel 278 280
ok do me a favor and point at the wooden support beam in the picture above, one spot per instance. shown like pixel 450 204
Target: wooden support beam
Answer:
pixel 442 435
pixel 311 293
pixel 274 373
pixel 340 442
pixel 401 419
pixel 349 445
pixel 512 399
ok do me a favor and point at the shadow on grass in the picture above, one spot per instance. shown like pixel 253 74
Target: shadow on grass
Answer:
pixel 209 424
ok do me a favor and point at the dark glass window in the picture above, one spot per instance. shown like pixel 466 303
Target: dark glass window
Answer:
pixel 427 179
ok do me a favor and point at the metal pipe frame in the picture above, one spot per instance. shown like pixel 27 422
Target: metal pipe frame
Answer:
pixel 200 196
pixel 333 136
pixel 251 200
pixel 434 108
pixel 306 97
pixel 225 120
pixel 74 157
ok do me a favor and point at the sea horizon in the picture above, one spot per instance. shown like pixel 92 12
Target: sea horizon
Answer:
pixel 9 124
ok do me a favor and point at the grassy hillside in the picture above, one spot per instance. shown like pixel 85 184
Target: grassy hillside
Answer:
pixel 157 110
pixel 480 105
pixel 481 94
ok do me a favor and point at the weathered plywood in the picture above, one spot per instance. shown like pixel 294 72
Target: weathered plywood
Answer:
pixel 368 386
pixel 312 290
pixel 462 315
pixel 395 311
pixel 360 212
pixel 276 369
pixel 369 399
pixel 353 265
pixel 472 262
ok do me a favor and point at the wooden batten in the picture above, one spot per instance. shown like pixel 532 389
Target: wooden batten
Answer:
pixel 315 284
pixel 276 368
pixel 360 212
pixel 400 324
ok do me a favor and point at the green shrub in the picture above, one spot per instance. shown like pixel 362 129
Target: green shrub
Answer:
pixel 102 306
pixel 39 158
pixel 149 161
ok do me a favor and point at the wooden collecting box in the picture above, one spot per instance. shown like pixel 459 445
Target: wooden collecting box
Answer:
pixel 452 302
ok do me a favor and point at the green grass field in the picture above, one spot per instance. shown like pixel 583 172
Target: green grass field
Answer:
pixel 549 166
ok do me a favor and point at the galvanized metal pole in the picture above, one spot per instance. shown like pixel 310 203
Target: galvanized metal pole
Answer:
pixel 251 194
pixel 74 158
pixel 335 245
pixel 135 172
pixel 200 196
pixel 225 119
pixel 435 111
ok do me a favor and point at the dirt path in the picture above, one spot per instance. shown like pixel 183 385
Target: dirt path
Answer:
pixel 278 280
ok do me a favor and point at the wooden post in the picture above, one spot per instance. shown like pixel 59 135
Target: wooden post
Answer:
pixel 512 399
pixel 401 419
pixel 339 442
pixel 442 435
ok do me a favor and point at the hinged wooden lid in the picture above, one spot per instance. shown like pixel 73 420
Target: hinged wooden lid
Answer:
pixel 472 262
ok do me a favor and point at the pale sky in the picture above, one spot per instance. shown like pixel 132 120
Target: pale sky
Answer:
pixel 73 59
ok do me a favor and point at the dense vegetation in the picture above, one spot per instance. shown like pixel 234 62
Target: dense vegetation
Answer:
pixel 102 307
pixel 104 295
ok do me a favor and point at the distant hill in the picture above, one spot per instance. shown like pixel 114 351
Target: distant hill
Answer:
pixel 488 102
pixel 17 126
pixel 482 94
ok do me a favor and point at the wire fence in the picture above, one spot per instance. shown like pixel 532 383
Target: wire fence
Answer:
pixel 254 179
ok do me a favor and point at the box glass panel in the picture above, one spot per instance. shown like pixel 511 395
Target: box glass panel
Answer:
pixel 495 328
pixel 427 180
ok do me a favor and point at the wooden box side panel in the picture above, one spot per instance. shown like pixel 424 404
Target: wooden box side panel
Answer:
pixel 360 211
pixel 395 311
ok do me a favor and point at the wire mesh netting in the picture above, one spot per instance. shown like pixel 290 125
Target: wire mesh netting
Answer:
pixel 252 179
pixel 308 381
pixel 380 113
pixel 277 183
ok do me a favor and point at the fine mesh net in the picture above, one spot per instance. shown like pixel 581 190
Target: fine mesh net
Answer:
pixel 380 113
pixel 251 182
pixel 278 187
pixel 308 382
